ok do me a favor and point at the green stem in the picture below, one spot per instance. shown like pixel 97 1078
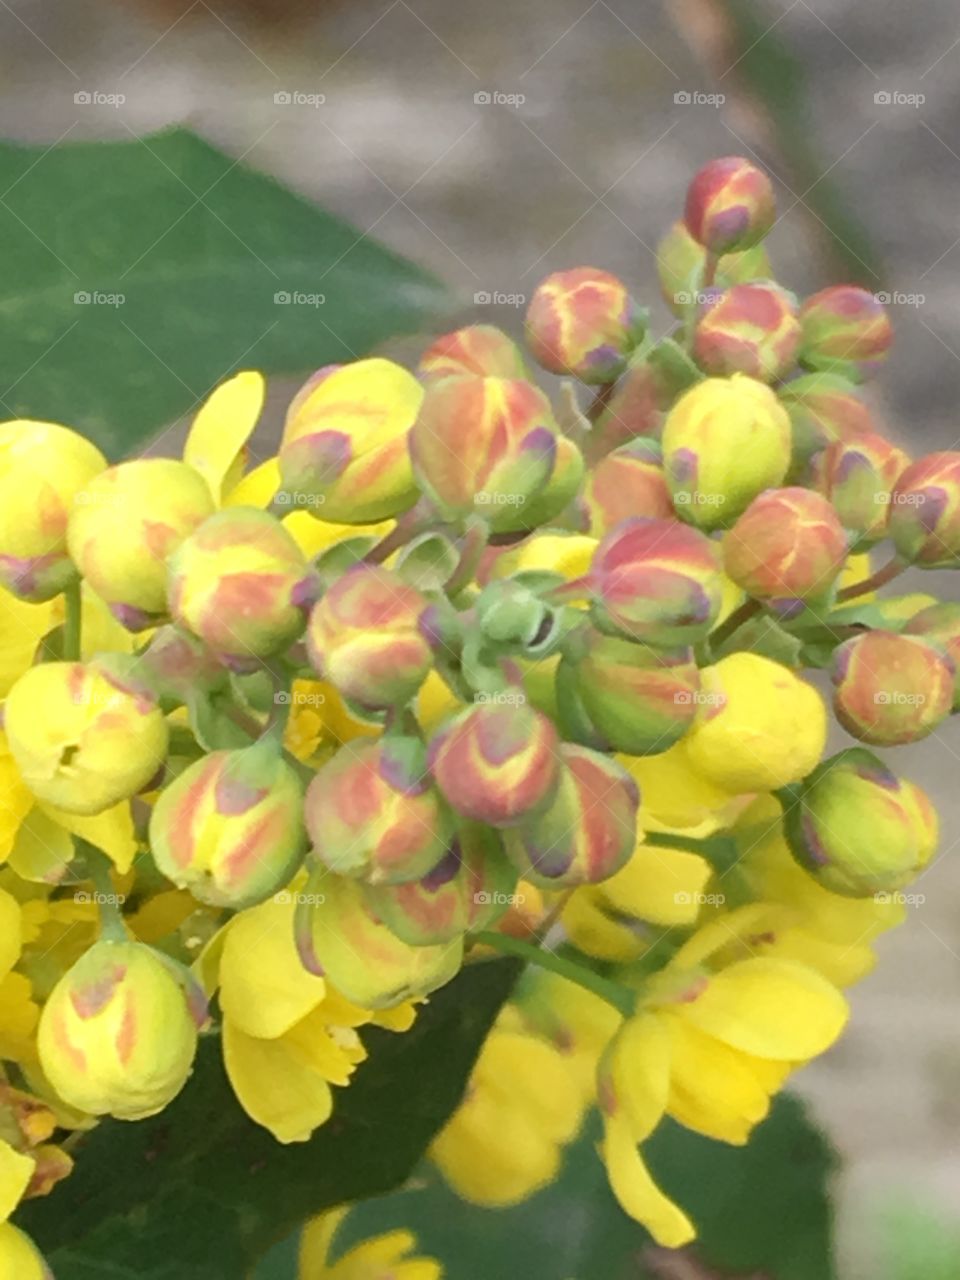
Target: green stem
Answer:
pixel 474 544
pixel 72 622
pixel 99 867
pixel 720 851
pixel 876 580
pixel 623 1000
pixel 407 527
pixel 749 609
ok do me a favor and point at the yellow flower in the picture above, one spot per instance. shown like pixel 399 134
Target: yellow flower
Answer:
pixel 320 721
pixel 386 1257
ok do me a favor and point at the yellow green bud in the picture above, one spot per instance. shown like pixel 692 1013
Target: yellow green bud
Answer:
pixel 939 624
pixel 681 262
pixel 480 349
pixel 890 689
pixel 925 512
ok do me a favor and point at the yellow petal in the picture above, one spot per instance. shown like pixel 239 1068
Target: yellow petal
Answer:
pixel 332 1052
pixel 274 1088
pixel 525 1070
pixel 771 1008
pixel 638 1066
pixel 18 1019
pixel 22 626
pixel 664 886
pixel 11 937
pixel 257 488
pixel 223 425
pixel 638 1194
pixel 590 928
pixel 42 850
pixel 315 1242
pixel 16 801
pixel 112 831
pixel 713 1088
pixel 16 1171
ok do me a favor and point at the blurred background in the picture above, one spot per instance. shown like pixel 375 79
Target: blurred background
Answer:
pixel 495 142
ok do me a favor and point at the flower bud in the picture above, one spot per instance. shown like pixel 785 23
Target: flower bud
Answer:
pixel 939 625
pixel 344 450
pixel 42 468
pixel 630 481
pixel 19 1257
pixel 469 889
pixel 858 828
pixel 124 527
pixel 589 830
pixel 480 349
pixel 370 635
pixel 858 476
pixel 786 549
pixel 372 812
pixel 641 700
pixel 179 665
pixel 116 1035
pixel 730 205
pixel 230 827
pixel 725 441
pixel 82 741
pixel 681 262
pixel 484 446
pixel 845 330
pixel 241 584
pixel 758 726
pixel 925 512
pixel 583 323
pixel 634 408
pixel 657 581
pixel 496 763
pixel 890 688
pixel 823 407
pixel 559 491
pixel 752 329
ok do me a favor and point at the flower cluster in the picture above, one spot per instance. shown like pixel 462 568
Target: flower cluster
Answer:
pixel 465 671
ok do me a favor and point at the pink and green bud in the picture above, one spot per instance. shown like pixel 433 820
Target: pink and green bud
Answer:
pixel 560 490
pixel 725 441
pixel 681 264
pixel 241 584
pixel 730 206
pixel 372 635
pixel 344 940
pixel 925 512
pixel 344 452
pixel 469 889
pixel 858 477
pixel 496 762
pixel 640 700
pixel 630 481
pixel 752 329
pixel 484 446
pixel 588 832
pixel 890 689
pixel 178 665
pixel 787 549
pixel 939 625
pixel 373 813
pixel 479 349
pixel 83 738
pixel 583 323
pixel 42 469
pixel 635 408
pixel 230 827
pixel 846 330
pixel 127 524
pixel 858 828
pixel 823 407
pixel 117 1036
pixel 656 581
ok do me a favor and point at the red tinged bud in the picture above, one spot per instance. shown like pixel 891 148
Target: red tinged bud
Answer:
pixel 730 205
pixel 583 323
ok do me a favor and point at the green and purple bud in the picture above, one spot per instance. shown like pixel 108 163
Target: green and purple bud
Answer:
pixel 117 1035
pixel 752 329
pixel 479 349
pixel 787 549
pixel 588 832
pixel 497 762
pixel 640 700
pixel 858 828
pixel 858 477
pixel 43 467
pixel 561 489
pixel 656 581
pixel 628 482
pixel 230 827
pixel 635 408
pixel 373 813
pixel 681 263
pixel 344 454
pixel 179 665
pixel 823 407
pixel 372 636
pixel 890 689
pixel 730 206
pixel 241 584
pixel 484 446
pixel 939 625
pixel 846 330
pixel 925 512
pixel 583 323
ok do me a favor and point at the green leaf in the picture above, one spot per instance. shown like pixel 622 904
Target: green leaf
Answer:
pixel 200 1192
pixel 199 247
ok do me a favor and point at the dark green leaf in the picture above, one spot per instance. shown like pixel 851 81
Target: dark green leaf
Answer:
pixel 202 250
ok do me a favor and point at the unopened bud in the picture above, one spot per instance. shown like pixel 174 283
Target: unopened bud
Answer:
pixel 583 323
pixel 891 689
pixel 730 205
pixel 846 330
